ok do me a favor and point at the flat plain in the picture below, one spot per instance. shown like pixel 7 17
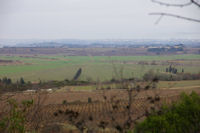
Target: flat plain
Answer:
pixel 94 68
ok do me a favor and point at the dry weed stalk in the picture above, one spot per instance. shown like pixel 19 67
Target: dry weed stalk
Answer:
pixel 35 115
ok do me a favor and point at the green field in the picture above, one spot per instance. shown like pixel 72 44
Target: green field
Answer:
pixel 59 67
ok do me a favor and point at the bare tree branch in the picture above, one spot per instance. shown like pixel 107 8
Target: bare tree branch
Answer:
pixel 169 4
pixel 177 5
pixel 161 14
pixel 176 16
pixel 195 3
pixel 159 19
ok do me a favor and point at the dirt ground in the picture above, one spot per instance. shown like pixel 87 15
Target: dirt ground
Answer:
pixel 11 62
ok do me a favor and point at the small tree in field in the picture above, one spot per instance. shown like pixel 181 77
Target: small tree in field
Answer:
pixel 22 81
pixel 78 74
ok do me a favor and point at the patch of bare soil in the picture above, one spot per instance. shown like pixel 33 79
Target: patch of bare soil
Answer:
pixel 12 62
pixel 38 57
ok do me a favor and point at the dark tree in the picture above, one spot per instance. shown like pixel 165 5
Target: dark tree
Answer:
pixel 6 81
pixel 170 68
pixel 22 81
pixel 9 81
pixel 89 100
pixel 175 71
pixel 78 74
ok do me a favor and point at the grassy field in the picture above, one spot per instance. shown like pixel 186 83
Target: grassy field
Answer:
pixel 59 67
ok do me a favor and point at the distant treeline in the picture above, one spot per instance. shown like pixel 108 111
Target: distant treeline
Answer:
pixel 7 85
pixel 171 76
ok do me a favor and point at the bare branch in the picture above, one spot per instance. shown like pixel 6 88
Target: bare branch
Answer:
pixel 195 3
pixel 169 4
pixel 176 16
pixel 159 19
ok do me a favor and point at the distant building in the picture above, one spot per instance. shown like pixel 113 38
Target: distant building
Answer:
pixel 166 48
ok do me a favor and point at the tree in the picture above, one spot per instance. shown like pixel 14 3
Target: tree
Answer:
pixel 170 68
pixel 6 81
pixel 167 70
pixel 175 71
pixel 22 81
pixel 78 74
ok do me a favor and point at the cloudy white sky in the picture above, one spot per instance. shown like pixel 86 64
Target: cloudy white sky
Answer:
pixel 93 19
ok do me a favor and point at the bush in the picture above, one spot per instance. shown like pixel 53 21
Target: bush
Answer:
pixel 89 100
pixel 181 117
pixel 64 102
pixel 15 121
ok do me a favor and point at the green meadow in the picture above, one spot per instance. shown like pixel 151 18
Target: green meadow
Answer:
pixel 94 68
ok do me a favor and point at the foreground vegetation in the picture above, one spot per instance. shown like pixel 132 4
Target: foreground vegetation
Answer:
pixel 31 116
pixel 181 117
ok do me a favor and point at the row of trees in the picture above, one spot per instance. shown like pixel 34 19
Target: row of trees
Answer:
pixel 173 70
pixel 8 81
pixel 170 77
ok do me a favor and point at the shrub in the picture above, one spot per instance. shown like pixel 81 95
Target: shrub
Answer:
pixel 89 100
pixel 181 117
pixel 22 81
pixel 15 121
pixel 64 102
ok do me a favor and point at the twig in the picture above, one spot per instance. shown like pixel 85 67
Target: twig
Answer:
pixel 177 5
pixel 176 16
pixel 195 3
pixel 159 19
pixel 169 4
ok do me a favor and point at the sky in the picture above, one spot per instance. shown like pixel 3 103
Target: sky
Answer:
pixel 94 19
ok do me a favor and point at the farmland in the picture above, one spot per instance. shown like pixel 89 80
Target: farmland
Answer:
pixel 53 110
pixel 104 66
pixel 95 68
pixel 102 105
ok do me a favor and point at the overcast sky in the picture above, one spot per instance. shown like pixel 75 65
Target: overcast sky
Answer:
pixel 93 19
